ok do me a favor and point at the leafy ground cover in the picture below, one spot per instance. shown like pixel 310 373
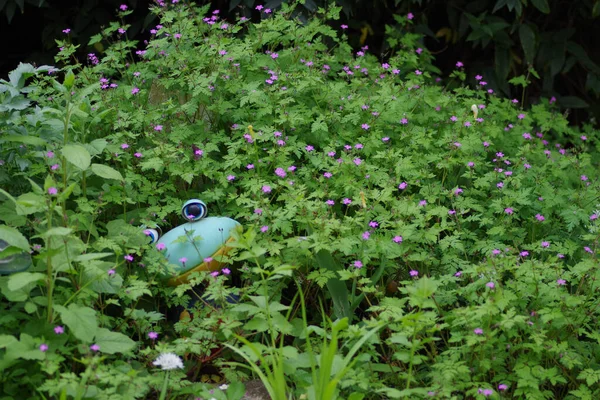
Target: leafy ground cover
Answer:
pixel 400 240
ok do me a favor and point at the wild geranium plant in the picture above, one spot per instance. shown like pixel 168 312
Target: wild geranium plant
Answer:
pixel 450 236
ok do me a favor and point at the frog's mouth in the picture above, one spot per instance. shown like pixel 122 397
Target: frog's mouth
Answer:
pixel 212 265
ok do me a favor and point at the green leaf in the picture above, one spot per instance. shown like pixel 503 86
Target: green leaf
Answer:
pixel 13 237
pixel 69 80
pixel 31 140
pixel 57 231
pixel 113 342
pixel 77 155
pixel 21 279
pixel 7 340
pixel 542 5
pixel 80 320
pixel 573 102
pixel 527 37
pixel 106 172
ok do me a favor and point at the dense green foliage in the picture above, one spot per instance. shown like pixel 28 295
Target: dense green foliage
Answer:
pixel 401 240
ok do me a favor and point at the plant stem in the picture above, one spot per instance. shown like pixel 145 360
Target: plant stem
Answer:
pixel 163 392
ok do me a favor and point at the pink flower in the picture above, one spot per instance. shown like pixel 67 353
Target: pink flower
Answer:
pixel 59 330
pixel 346 201
pixel 508 210
pixel 540 217
pixel 226 271
pixel 402 186
pixel 459 64
pixel 397 239
pixel 135 90
pixel 264 228
pixel 160 246
pixel 491 285
pixel 545 244
pixel 453 118
pixel 266 189
pixel 128 257
pixel 111 272
pixel 158 128
pixel 183 260
pixel 214 274
pixel 478 331
pixel 230 177
pixel 343 26
pixel 410 16
pixel 330 202
pixel 365 126
pixel 357 264
pixel 95 347
pixel 52 191
pixel 43 347
pixel 584 178
pixel 502 386
pixel 414 273
pixel 138 155
pixel 561 282
pixel 50 154
pixel 521 116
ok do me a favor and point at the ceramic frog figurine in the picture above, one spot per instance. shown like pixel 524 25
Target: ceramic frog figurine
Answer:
pixel 197 244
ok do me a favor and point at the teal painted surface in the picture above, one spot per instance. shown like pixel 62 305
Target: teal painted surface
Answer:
pixel 195 241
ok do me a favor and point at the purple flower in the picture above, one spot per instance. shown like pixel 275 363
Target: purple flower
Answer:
pixel 43 347
pixel 524 253
pixel 264 228
pixel 366 235
pixel 561 282
pixel 488 392
pixel 226 271
pixel 52 191
pixel 160 246
pixel 138 155
pixel 357 161
pixel 183 260
pixel 584 178
pixel 250 166
pixel 521 116
pixel 540 217
pixel 50 154
pixel 467 124
pixel 478 331
pixel 330 202
pixel 453 118
pixel 502 386
pixel 346 201
pixel 459 64
pixel 95 347
pixel 545 244
pixel 404 121
pixel 123 7
pixel 66 31
pixel 111 272
pixel 588 250
pixel 280 172
pixel 373 224
pixel 128 257
pixel 153 335
pixel 584 138
pixel 344 26
pixel 478 77
pixel 491 285
pixel 451 212
pixel 358 264
pixel 365 126
pixel 458 274
pixel 496 252
pixel 59 330
pixel 214 274
pixel 410 16
pixel 508 210
pixel 593 217
pixel 258 211
pixel 458 191
pixel 230 177
pixel 500 185
pixel 397 239
pixel 413 273
pixel 402 186
pixel 422 203
pixel 266 189
pixel 135 90
pixel 309 148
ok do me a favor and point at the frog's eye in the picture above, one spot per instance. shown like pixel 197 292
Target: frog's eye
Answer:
pixel 194 210
pixel 152 234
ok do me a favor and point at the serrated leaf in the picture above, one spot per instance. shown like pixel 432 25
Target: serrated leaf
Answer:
pixel 7 340
pixel 542 5
pixel 21 279
pixel 106 172
pixel 77 155
pixel 527 37
pixel 13 237
pixel 80 320
pixel 113 342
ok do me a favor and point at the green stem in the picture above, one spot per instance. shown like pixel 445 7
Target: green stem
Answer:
pixel 163 392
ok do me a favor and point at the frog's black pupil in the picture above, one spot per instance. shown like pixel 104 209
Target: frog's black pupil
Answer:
pixel 194 210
